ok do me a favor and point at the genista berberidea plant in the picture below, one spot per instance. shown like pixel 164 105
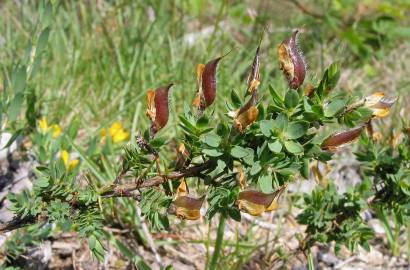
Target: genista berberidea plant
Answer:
pixel 240 162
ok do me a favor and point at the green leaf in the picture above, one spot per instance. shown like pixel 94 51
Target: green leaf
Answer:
pixel 256 168
pixel 234 213
pixel 240 152
pixel 266 127
pixel 211 139
pixel 296 130
pixel 15 107
pixel 265 183
pixel 42 40
pixel 275 95
pixel 202 122
pixel 281 122
pixel 291 99
pixel 19 80
pixel 334 107
pixel 275 147
pixel 293 147
pixel 236 100
pixel 212 152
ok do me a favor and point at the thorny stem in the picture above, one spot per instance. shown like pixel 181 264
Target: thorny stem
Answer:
pixel 218 242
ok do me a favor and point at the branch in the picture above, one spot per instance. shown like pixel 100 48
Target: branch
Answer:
pixel 114 190
pixel 16 223
pixel 124 190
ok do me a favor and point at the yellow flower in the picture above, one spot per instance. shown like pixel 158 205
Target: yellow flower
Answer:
pixel 43 125
pixel 56 130
pixel 69 164
pixel 116 132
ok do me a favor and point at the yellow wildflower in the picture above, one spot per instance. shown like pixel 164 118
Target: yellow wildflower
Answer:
pixel 116 132
pixel 43 125
pixel 69 164
pixel 56 130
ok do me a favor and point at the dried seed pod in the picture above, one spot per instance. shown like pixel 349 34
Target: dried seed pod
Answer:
pixel 206 83
pixel 183 157
pixel 185 207
pixel 188 208
pixel 209 81
pixel 379 104
pixel 199 100
pixel 254 75
pixel 335 141
pixel 246 115
pixel 158 107
pixel 241 177
pixel 292 62
pixel 256 202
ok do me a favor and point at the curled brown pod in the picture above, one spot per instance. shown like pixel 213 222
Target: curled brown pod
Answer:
pixel 206 83
pixel 337 140
pixel 291 61
pixel 184 206
pixel 254 75
pixel 209 81
pixel 158 107
pixel 247 114
pixel 256 202
pixel 183 157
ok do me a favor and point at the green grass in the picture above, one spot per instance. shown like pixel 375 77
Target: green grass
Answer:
pixel 101 59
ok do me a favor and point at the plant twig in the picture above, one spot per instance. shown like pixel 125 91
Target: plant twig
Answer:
pixel 120 190
pixel 218 242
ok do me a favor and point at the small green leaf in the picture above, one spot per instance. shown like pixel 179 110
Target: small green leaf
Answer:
pixel 281 122
pixel 293 147
pixel 334 107
pixel 266 127
pixel 256 168
pixel 211 139
pixel 212 152
pixel 202 122
pixel 236 100
pixel 275 147
pixel 275 95
pixel 234 213
pixel 240 152
pixel 291 99
pixel 265 183
pixel 296 129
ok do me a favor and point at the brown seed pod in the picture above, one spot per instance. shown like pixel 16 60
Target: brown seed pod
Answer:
pixel 209 81
pixel 246 115
pixel 256 202
pixel 335 141
pixel 206 83
pixel 292 62
pixel 183 157
pixel 186 207
pixel 158 107
pixel 254 75
pixel 379 104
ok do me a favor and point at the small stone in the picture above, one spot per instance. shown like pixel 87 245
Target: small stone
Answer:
pixel 329 258
pixel 375 224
